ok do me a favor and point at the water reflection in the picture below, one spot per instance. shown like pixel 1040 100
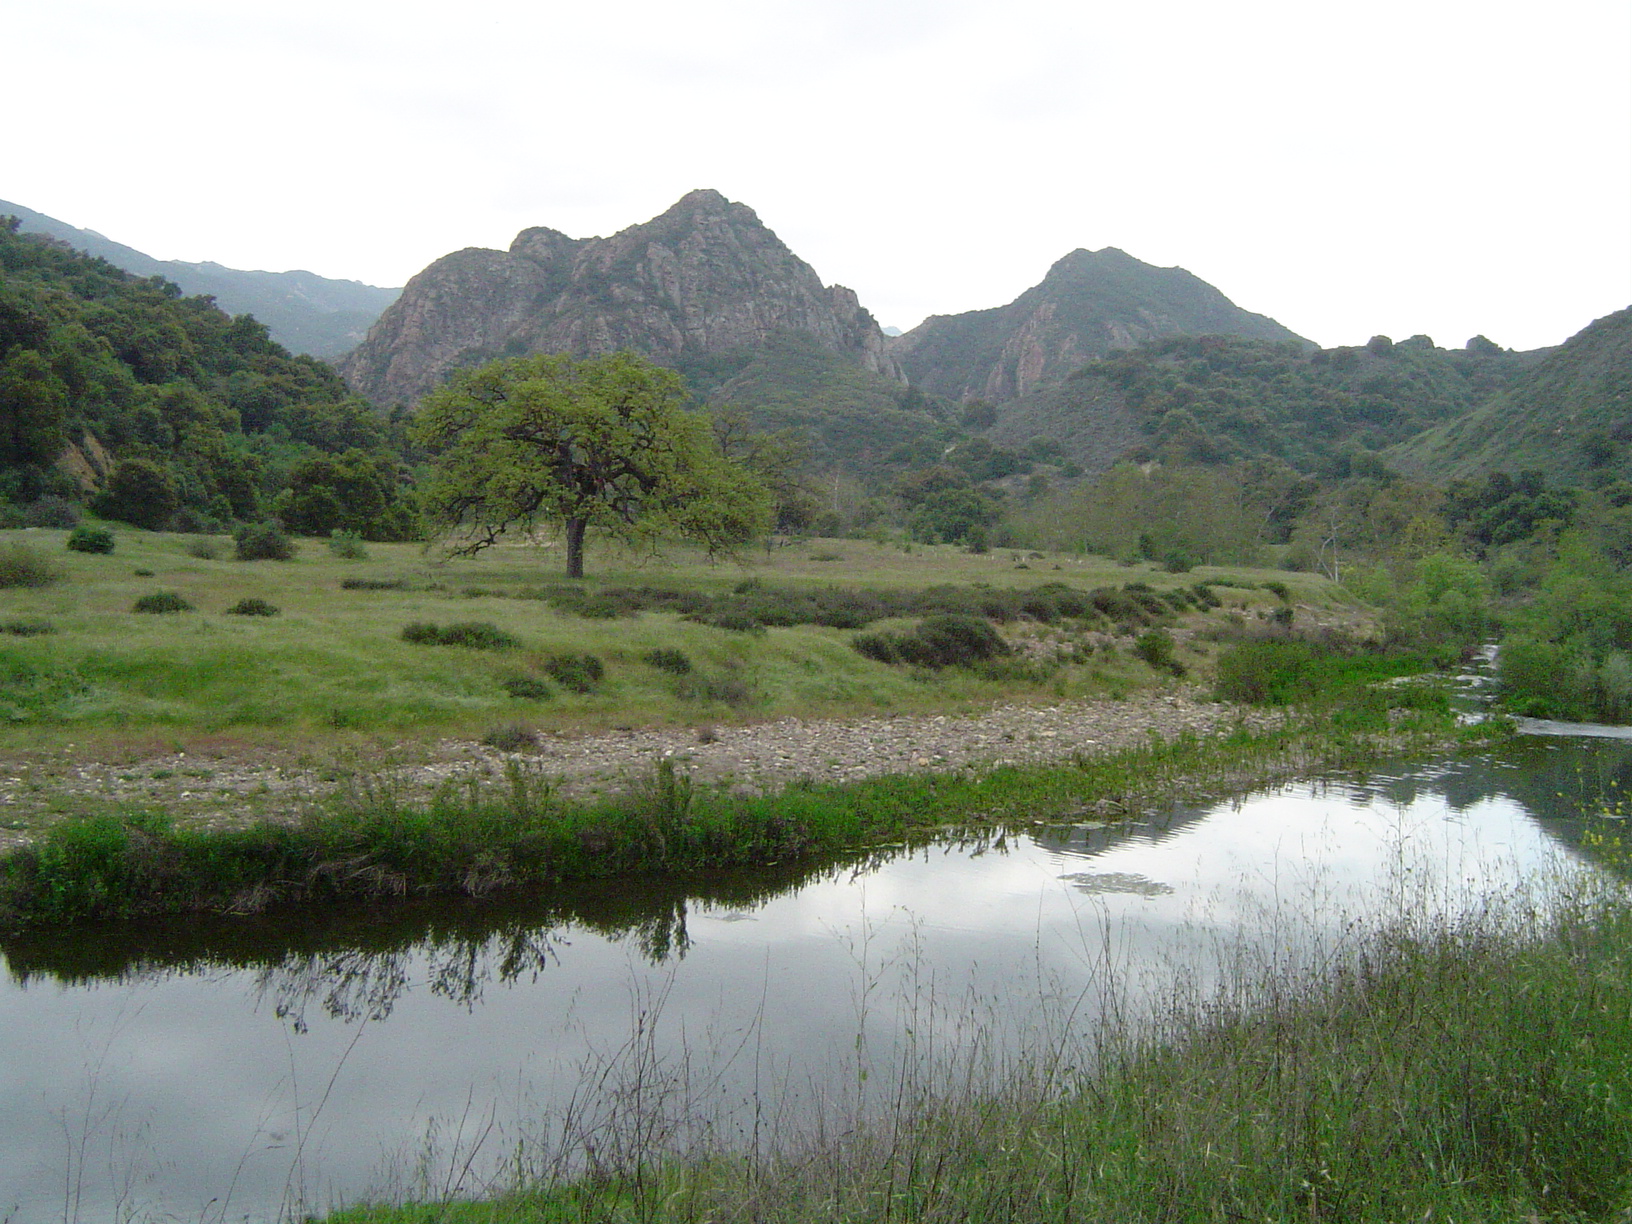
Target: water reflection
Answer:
pixel 348 1032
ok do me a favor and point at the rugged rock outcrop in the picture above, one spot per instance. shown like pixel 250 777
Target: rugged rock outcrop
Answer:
pixel 1089 303
pixel 706 277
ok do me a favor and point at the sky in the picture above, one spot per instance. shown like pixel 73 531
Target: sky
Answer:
pixel 1398 167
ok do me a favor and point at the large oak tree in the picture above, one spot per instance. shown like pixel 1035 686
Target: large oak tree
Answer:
pixel 603 443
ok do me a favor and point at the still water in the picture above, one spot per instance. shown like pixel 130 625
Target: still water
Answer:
pixel 252 1070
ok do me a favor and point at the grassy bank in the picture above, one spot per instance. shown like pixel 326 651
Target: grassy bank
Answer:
pixel 299 652
pixel 1469 1070
pixel 371 840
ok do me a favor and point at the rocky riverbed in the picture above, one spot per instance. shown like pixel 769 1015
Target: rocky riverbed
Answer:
pixel 219 790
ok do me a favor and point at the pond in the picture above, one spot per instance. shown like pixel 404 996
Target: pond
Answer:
pixel 248 1070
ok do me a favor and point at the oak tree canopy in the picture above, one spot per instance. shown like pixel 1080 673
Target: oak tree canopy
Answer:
pixel 602 443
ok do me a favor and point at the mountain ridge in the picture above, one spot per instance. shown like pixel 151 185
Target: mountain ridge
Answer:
pixel 1087 304
pixel 706 276
pixel 306 313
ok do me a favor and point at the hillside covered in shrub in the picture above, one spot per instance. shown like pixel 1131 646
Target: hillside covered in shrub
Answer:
pixel 122 395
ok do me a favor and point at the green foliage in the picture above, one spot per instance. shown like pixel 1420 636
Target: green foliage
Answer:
pixel 528 688
pixel 51 512
pixel 21 566
pixel 1216 399
pixel 1155 647
pixel 577 673
pixel 252 606
pixel 27 628
pixel 477 635
pixel 262 542
pixel 91 540
pixel 161 602
pixel 1569 653
pixel 512 737
pixel 201 413
pixel 937 641
pixel 347 545
pixel 1290 671
pixel 604 443
pixel 668 659
pixel 141 492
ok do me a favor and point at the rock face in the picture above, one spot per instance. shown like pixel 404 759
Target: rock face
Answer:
pixel 1089 303
pixel 706 277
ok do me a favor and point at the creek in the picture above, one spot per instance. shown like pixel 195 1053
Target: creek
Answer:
pixel 256 1069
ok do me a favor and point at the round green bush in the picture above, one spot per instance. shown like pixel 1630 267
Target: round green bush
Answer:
pixel 262 542
pixel 161 601
pixel 252 607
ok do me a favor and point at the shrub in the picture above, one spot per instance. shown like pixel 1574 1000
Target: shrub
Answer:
pixel 347 545
pixel 161 601
pixel 937 641
pixel 526 688
pixel 666 659
pixel 1155 647
pixel 373 584
pixel 21 566
pixel 252 607
pixel 477 635
pixel 579 673
pixel 512 737
pixel 263 542
pixel 91 540
pixel 27 628
pixel 204 550
pixel 1280 590
pixel 729 688
pixel 51 512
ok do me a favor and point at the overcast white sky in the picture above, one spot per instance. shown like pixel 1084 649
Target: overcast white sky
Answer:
pixel 1446 167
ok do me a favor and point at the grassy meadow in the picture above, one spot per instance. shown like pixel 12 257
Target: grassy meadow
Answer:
pixel 332 662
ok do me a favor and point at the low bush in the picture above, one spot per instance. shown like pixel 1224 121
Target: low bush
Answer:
pixel 512 737
pixel 160 602
pixel 347 545
pixel 527 688
pixel 373 584
pixel 203 549
pixel 56 512
pixel 262 542
pixel 27 628
pixel 21 566
pixel 1155 647
pixel 252 607
pixel 666 659
pixel 728 688
pixel 477 635
pixel 578 673
pixel 937 641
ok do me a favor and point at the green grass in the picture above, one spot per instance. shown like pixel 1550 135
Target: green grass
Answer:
pixel 1472 1069
pixel 334 657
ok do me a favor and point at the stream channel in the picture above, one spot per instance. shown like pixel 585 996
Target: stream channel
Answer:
pixel 257 1069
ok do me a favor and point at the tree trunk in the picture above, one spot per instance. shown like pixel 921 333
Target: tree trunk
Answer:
pixel 575 548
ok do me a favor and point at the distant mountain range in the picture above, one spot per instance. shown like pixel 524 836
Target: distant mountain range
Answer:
pixel 305 313
pixel 1105 358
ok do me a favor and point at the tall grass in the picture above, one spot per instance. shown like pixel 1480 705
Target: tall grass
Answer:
pixel 1470 1068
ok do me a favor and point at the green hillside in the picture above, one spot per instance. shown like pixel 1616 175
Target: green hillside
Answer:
pixel 304 312
pixel 1220 399
pixel 850 417
pixel 1569 417
pixel 162 411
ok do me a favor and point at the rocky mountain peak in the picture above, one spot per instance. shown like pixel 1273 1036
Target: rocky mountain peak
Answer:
pixel 1089 303
pixel 706 276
